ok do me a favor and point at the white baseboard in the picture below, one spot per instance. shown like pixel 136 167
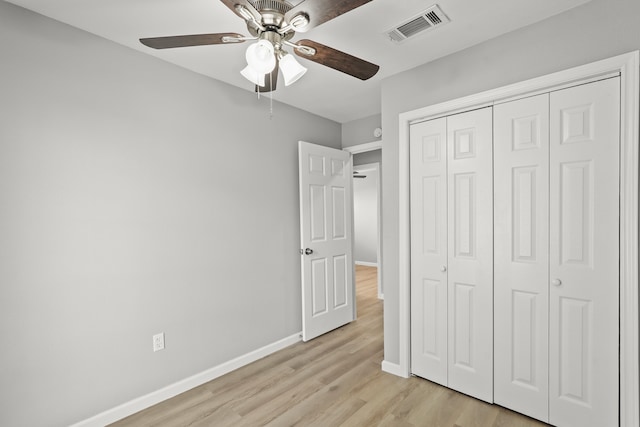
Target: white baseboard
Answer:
pixel 394 369
pixel 381 296
pixel 143 402
pixel 366 263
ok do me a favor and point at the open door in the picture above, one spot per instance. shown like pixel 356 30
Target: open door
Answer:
pixel 326 224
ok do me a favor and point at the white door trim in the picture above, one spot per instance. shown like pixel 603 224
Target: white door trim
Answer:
pixel 363 148
pixel 628 66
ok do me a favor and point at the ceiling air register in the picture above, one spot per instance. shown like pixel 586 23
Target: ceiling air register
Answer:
pixel 429 19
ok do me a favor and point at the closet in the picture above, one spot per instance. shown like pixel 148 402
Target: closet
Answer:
pixel 515 253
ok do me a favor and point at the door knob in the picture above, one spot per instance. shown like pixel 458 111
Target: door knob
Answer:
pixel 556 282
pixel 308 251
pixel 443 268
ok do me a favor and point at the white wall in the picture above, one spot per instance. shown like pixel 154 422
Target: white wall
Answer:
pixel 365 213
pixel 597 30
pixel 135 199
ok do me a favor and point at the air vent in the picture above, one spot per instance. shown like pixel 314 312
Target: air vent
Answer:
pixel 430 18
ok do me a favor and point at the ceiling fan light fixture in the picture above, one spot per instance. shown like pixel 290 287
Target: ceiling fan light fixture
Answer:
pixel 261 57
pixel 253 76
pixel 291 69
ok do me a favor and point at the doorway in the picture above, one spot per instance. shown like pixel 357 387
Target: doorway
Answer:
pixel 367 159
pixel 366 216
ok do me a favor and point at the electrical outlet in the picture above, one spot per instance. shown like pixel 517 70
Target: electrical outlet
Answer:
pixel 158 342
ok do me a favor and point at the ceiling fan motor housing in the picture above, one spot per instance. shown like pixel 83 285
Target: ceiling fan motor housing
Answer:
pixel 272 12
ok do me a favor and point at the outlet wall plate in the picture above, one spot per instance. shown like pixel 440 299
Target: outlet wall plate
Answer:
pixel 158 342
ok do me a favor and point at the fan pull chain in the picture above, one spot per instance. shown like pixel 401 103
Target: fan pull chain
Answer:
pixel 271 96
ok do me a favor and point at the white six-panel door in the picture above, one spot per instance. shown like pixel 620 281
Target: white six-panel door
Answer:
pixel 584 255
pixel 328 294
pixel 452 270
pixel 521 200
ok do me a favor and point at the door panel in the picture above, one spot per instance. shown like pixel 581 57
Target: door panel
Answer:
pixel 429 250
pixel 463 327
pixel 521 181
pixel 464 207
pixel 470 258
pixel 319 286
pixel 340 281
pixel 576 213
pixel 328 294
pixel 339 212
pixel 318 206
pixel 576 318
pixel 584 255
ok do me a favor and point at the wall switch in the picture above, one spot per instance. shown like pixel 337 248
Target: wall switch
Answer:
pixel 158 342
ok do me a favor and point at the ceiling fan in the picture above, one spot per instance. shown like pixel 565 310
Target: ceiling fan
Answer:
pixel 272 24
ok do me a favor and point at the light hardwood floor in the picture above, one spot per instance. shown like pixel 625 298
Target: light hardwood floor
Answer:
pixel 334 380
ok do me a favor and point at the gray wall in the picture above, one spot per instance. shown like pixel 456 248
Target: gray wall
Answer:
pixel 374 156
pixel 360 131
pixel 365 216
pixel 597 30
pixel 135 199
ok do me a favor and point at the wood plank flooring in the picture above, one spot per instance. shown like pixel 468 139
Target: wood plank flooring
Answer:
pixel 334 380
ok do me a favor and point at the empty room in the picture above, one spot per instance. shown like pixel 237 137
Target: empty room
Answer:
pixel 319 213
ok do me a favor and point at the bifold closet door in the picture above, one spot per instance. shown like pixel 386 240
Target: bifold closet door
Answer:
pixel 451 252
pixel 470 260
pixel 521 290
pixel 428 163
pixel 557 255
pixel 584 255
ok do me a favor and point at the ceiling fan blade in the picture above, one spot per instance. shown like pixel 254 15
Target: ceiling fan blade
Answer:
pixel 190 40
pixel 270 81
pixel 231 4
pixel 338 60
pixel 320 11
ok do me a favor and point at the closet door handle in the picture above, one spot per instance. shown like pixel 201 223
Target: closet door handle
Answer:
pixel 443 268
pixel 556 282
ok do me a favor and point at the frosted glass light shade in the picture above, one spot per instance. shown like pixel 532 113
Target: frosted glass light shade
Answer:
pixel 252 75
pixel 291 69
pixel 260 56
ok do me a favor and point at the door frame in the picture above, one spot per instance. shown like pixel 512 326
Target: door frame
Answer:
pixel 363 148
pixel 627 66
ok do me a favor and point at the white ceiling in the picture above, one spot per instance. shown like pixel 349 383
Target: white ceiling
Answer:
pixel 322 90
